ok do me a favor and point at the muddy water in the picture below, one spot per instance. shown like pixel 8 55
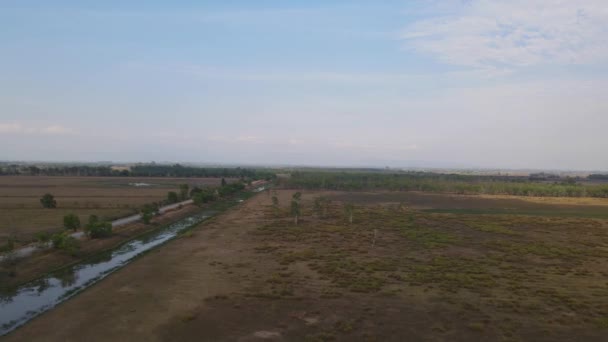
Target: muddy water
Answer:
pixel 32 299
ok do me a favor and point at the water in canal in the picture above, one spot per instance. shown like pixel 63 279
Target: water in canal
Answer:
pixel 32 299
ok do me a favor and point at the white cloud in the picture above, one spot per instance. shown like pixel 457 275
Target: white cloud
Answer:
pixel 510 33
pixel 10 128
pixel 294 141
pixel 19 128
pixel 56 129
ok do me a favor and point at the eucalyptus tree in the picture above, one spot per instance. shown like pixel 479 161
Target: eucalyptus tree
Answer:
pixel 349 210
pixel 321 206
pixel 295 211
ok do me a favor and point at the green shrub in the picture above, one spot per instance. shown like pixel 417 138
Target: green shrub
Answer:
pixel 8 246
pixel 65 242
pixel 96 229
pixel 172 197
pixel 43 237
pixel 71 222
pixel 203 196
pixel 48 201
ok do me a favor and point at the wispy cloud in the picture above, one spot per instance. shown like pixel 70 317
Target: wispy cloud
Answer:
pixel 20 128
pixel 511 33
pixel 10 128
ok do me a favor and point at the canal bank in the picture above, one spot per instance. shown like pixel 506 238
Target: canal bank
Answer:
pixel 31 299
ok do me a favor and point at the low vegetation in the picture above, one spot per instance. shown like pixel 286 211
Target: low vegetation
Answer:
pixel 65 242
pixel 71 222
pixel 48 201
pixel 433 182
pixel 97 229
pixel 494 275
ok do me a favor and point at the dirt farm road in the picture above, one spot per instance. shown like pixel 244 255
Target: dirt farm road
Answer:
pixel 161 289
pixel 28 250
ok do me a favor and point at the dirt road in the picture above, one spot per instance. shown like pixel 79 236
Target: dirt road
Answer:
pixel 251 274
pixel 163 287
pixel 29 250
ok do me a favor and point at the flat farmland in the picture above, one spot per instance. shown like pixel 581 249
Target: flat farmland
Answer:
pixel 21 214
pixel 483 204
pixel 395 273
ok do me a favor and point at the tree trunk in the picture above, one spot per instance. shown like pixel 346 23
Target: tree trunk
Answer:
pixel 295 219
pixel 351 218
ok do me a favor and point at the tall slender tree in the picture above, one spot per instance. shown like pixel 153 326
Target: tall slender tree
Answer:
pixel 295 211
pixel 349 210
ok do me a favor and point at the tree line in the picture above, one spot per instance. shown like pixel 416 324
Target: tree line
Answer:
pixel 430 182
pixel 97 228
pixel 139 170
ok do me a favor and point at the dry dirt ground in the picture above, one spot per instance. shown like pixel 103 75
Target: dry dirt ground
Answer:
pixel 394 274
pixel 21 214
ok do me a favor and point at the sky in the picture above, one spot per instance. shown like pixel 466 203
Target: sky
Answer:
pixel 452 83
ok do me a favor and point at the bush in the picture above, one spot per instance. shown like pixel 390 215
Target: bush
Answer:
pixel 43 237
pixel 48 201
pixel 147 213
pixel 172 197
pixel 96 229
pixel 203 197
pixel 9 246
pixel 65 242
pixel 230 189
pixel 71 222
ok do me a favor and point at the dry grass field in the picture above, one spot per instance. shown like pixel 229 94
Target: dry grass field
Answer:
pixel 21 214
pixel 396 273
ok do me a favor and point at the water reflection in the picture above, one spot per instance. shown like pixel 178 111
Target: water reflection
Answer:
pixel 24 303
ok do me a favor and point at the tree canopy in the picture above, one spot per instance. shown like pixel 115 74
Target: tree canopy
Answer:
pixel 48 201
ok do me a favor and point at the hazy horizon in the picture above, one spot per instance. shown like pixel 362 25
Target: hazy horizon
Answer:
pixel 446 84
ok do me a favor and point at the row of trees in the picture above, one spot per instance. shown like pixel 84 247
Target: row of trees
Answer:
pixel 177 170
pixel 321 207
pixel 97 228
pixel 204 195
pixel 199 196
pixel 65 241
pixel 440 183
pixel 140 170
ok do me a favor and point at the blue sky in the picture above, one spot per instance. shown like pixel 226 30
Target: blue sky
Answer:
pixel 510 84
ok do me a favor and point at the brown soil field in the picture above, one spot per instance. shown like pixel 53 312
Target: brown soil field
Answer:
pixel 396 273
pixel 21 214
